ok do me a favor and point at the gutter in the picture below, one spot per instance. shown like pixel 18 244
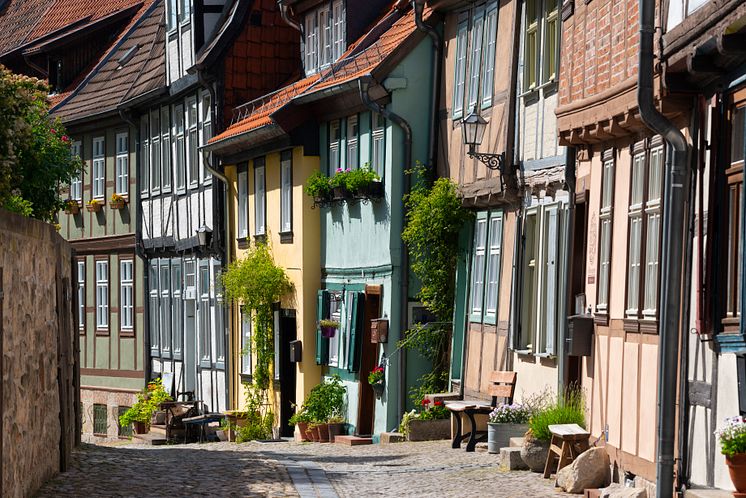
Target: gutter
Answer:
pixel 418 6
pixel 364 84
pixel 670 292
pixel 568 301
pixel 284 12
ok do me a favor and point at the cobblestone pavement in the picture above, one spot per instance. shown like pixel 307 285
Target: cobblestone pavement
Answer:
pixel 292 469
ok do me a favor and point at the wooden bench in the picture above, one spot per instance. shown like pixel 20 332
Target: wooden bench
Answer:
pixel 568 441
pixel 502 385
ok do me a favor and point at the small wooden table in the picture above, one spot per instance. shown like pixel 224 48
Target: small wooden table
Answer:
pixel 568 441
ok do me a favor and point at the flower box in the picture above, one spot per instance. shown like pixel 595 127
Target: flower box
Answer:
pixel 341 193
pixel 118 204
pixel 429 430
pixel 373 190
pixel 93 208
pixel 72 207
pixel 498 435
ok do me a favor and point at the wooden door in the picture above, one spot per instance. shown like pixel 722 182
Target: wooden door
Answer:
pixel 368 359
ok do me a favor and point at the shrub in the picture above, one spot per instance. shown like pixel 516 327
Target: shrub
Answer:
pixel 148 402
pixel 326 400
pixel 733 437
pixel 259 419
pixel 567 409
pixel 318 185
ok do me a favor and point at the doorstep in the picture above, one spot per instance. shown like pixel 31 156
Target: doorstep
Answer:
pixel 149 439
pixel 707 493
pixel 352 440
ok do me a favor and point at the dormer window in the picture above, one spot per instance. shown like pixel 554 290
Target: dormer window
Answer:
pixel 324 40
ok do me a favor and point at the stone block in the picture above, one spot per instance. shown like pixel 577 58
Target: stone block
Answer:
pixel 619 491
pixel 392 437
pixel 516 442
pixel 589 470
pixel 510 459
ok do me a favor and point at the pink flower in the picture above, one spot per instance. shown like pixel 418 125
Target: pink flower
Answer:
pixel 347 170
pixel 53 131
pixel 339 170
pixel 65 138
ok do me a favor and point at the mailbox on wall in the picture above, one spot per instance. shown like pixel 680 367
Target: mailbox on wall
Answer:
pixel 296 351
pixel 379 330
pixel 579 340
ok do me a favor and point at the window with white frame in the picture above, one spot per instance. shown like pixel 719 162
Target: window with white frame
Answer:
pixel 247 364
pixel 653 211
pixel 177 308
pixel 154 308
pixel 179 159
pixel 193 163
pixel 81 295
pixel 218 304
pixel 102 295
pixel 605 221
pixel 353 155
pixel 155 151
pixel 541 43
pixel 204 313
pixel 126 295
pixel 494 252
pixel 99 168
pixel 205 132
pixel 486 258
pixel 164 285
pixel 122 163
pixel 243 203
pixel 286 192
pixel 165 149
pixel 378 144
pixel 335 314
pixel 478 264
pixel 334 144
pixel 172 15
pixel 76 184
pixel 476 39
pixel 260 201
pixel 324 36
pixel 145 155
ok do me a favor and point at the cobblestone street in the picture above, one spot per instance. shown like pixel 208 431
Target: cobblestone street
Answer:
pixel 291 469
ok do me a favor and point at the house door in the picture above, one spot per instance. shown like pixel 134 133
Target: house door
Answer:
pixel 368 359
pixel 576 297
pixel 286 370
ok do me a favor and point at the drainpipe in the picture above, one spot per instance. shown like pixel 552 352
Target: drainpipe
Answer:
pixel 364 86
pixel 418 7
pixel 284 12
pixel 567 281
pixel 670 296
pixel 148 366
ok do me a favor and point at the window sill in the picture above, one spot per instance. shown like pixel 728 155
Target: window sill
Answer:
pixel 127 333
pixel 102 332
pixel 731 342
pixel 242 243
pixel 601 319
pixel 246 378
pixel 524 352
pixel 286 237
pixel 260 238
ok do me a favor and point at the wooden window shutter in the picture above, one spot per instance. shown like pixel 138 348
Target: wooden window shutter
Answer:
pixel 356 332
pixel 322 343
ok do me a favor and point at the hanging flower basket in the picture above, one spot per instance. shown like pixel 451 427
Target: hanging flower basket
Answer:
pixel 378 388
pixel 328 328
pixel 72 207
pixel 93 206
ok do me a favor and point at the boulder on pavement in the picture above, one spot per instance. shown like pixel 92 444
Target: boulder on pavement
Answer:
pixel 590 470
pixel 620 491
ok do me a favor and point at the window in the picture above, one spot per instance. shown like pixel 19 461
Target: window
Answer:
pixel 126 295
pixel 164 285
pixel 205 132
pixel 352 141
pixel 259 197
pixel 100 422
pixel 247 365
pixel 334 139
pixel 179 159
pixel 324 40
pixel 220 317
pixel 192 142
pixel 173 12
pixel 145 155
pixel 122 161
pixel 605 221
pixel 485 277
pixel 99 168
pixel 154 309
pixel 177 307
pixel 243 203
pixel 76 184
pixel 477 36
pixel 335 313
pixel 460 77
pixel 541 30
pixel 81 296
pixel 653 210
pixel 286 192
pixel 378 145
pixel 102 295
pixel 488 67
pixel 204 314
pixel 123 431
pixel 155 151
pixel 166 149
pixel 185 7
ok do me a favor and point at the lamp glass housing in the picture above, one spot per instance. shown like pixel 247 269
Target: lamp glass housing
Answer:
pixel 473 127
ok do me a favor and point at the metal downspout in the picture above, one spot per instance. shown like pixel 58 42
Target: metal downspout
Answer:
pixel 567 281
pixel 364 85
pixel 670 295
pixel 418 6
pixel 286 16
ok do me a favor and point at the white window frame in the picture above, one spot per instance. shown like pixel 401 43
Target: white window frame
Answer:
pixel 218 306
pixel 286 192
pixel 459 82
pixel 606 231
pixel 205 133
pixel 145 155
pixel 177 310
pixel 310 46
pixel 339 32
pixel 243 204
pixel 99 167
pixel 247 359
pixel 180 166
pixel 479 262
pixel 126 294
pixel 324 36
pixel 335 141
pixel 154 309
pixel 635 214
pixel 653 211
pixel 378 144
pixel 488 74
pixel 352 139
pixel 164 291
pixel 260 197
pixel 205 314
pixel 102 295
pixel 493 266
pixel 122 163
pixel 192 136
pixel 76 184
pixel 335 313
pixel 166 157
pixel 155 151
pixel 325 28
pixel 475 50
pixel 81 295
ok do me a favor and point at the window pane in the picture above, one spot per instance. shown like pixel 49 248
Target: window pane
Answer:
pixel 247 367
pixel 259 198
pixel 651 262
pixel 126 295
pixel 460 76
pixel 493 267
pixel 286 192
pixel 352 141
pixel 480 236
pixel 340 44
pixel 334 137
pixel 243 196
pixel 81 295
pixel 488 74
pixel 633 272
pixel 477 37
pixel 604 262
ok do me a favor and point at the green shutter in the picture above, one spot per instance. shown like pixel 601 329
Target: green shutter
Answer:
pixel 356 332
pixel 322 343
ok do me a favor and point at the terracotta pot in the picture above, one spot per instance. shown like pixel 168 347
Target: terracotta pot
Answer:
pixel 315 433
pixel 93 208
pixel 335 430
pixel 140 427
pixel 116 204
pixel 72 208
pixel 737 467
pixel 324 433
pixel 302 430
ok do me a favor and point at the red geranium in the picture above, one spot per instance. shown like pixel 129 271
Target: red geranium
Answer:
pixel 438 403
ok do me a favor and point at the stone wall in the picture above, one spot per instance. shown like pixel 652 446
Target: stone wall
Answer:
pixel 38 356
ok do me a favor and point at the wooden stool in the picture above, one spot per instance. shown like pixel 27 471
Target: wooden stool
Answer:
pixel 568 441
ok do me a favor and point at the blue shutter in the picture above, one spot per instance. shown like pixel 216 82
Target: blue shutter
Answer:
pixel 322 343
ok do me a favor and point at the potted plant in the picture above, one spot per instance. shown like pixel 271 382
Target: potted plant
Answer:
pixel 328 328
pixel 94 206
pixel 72 206
pixel 732 439
pixel 364 183
pixel 340 192
pixel 336 426
pixel 326 401
pixel 148 402
pixel 506 421
pixel 318 186
pixel 117 201
pixel 301 419
pixel 223 433
pixel 377 379
pixel 432 422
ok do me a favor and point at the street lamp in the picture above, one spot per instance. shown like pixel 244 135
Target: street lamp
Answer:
pixel 204 234
pixel 473 127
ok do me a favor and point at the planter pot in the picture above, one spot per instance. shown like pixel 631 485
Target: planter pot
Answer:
pixel 328 332
pixel 373 190
pixel 534 454
pixel 93 208
pixel 222 435
pixel 429 430
pixel 314 433
pixel 378 388
pixel 72 208
pixel 324 433
pixel 335 430
pixel 117 204
pixel 340 193
pixel 140 427
pixel 737 467
pixel 498 435
pixel 302 430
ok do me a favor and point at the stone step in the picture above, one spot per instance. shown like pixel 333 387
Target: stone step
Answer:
pixel 516 442
pixel 149 439
pixel 510 459
pixel 707 493
pixel 352 440
pixel 392 437
pixel 158 429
